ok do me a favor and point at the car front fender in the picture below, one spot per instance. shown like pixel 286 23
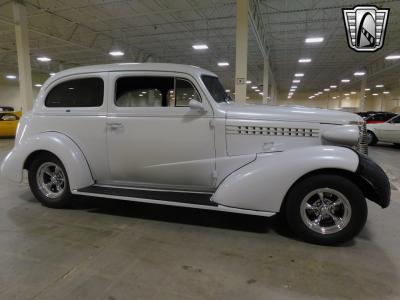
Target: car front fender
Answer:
pixel 60 145
pixel 262 185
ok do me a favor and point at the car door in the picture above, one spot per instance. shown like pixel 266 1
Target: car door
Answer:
pixel 154 139
pixel 390 130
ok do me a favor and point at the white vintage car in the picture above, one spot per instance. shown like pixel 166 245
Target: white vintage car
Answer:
pixel 385 132
pixel 169 134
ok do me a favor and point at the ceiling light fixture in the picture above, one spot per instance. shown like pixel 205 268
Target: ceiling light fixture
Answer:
pixel 379 86
pixel 299 75
pixel 326 90
pixel 227 91
pixel 312 40
pixel 367 89
pixel 11 77
pixel 360 73
pixel 44 59
pixel 223 64
pixel 392 57
pixel 293 87
pixel 353 93
pixel 248 81
pixel 304 60
pixel 254 87
pixel 116 53
pixel 52 74
pixel 386 92
pixel 333 86
pixel 345 80
pixel 200 47
pixel 375 94
pixel 38 85
pixel 296 81
pixel 347 94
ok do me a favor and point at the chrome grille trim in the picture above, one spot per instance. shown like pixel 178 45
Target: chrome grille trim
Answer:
pixel 272 131
pixel 362 145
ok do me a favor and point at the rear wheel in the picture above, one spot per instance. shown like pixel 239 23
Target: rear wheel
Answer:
pixel 372 139
pixel 326 209
pixel 48 181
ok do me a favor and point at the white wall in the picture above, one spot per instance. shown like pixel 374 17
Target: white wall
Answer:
pixel 9 94
pixel 382 102
pixel 9 90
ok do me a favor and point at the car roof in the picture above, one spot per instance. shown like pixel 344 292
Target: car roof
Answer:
pixel 133 67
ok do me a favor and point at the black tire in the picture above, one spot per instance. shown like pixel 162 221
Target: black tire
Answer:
pixel 372 139
pixel 352 192
pixel 397 145
pixel 63 200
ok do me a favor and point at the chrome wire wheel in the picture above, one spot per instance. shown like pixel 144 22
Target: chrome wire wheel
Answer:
pixel 50 180
pixel 325 211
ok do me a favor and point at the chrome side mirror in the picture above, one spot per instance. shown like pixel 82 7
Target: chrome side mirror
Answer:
pixel 196 105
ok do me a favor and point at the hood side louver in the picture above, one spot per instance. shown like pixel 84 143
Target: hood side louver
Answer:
pixel 272 131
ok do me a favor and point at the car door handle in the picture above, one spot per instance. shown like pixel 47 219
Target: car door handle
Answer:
pixel 115 125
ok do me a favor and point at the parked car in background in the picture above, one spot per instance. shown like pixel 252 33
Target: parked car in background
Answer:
pixel 374 117
pixel 386 132
pixel 169 134
pixel 6 108
pixel 9 123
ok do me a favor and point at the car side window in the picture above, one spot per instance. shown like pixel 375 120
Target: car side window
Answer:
pixel 184 92
pixel 8 117
pixel 143 91
pixel 154 91
pixel 395 120
pixel 83 92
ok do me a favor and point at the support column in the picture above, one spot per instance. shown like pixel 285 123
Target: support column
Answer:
pixel 272 97
pixel 361 99
pixel 265 81
pixel 242 31
pixel 24 63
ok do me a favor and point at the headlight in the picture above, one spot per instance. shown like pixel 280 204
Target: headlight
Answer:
pixel 342 135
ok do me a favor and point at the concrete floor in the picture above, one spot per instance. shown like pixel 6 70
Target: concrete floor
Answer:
pixel 120 250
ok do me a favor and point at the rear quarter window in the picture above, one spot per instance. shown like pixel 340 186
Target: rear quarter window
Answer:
pixel 83 92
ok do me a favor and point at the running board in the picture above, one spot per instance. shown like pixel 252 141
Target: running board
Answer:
pixel 163 197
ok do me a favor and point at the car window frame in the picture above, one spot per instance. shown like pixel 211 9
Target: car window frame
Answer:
pixel 174 78
pixel 93 110
pixel 193 86
pixel 114 110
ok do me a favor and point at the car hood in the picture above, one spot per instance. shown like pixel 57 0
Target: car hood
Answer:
pixel 289 113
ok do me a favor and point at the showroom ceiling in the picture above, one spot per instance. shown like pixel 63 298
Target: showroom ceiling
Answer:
pixel 76 32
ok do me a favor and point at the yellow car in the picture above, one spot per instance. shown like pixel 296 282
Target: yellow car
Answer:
pixel 9 123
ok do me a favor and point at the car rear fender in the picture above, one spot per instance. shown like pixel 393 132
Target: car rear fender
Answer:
pixel 60 145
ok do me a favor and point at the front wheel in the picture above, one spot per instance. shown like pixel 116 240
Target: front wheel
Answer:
pixel 326 209
pixel 48 181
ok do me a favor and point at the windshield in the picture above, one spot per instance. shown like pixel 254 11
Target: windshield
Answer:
pixel 216 89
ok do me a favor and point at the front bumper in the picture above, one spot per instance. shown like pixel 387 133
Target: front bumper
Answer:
pixel 376 181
